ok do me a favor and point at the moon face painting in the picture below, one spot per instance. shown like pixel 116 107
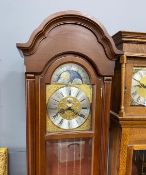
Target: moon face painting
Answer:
pixel 70 73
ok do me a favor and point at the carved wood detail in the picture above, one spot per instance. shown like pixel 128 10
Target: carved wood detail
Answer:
pixel 70 17
pixel 81 36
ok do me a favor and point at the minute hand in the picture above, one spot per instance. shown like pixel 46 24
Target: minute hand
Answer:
pixel 141 84
pixel 76 113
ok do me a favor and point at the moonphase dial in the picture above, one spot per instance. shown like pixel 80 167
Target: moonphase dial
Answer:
pixel 68 107
pixel 70 74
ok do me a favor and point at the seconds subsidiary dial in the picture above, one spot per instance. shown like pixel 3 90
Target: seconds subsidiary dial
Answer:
pixel 68 107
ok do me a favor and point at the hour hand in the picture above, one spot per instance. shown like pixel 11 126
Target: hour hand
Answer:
pixel 76 113
pixel 140 84
pixel 61 111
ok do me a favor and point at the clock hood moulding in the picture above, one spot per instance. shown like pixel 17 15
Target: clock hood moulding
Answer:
pixel 70 32
pixel 133 44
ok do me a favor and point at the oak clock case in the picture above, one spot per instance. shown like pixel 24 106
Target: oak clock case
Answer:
pixel 128 126
pixel 128 109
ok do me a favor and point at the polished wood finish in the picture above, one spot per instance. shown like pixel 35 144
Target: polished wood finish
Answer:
pixel 128 123
pixel 77 33
pixel 68 37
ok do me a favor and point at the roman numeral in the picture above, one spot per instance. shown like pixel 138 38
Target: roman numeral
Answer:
pixel 84 107
pixel 77 122
pixel 82 115
pixel 61 121
pixel 54 116
pixel 77 93
pixel 61 94
pixel 69 92
pixel 134 93
pixel 55 100
pixel 82 100
pixel 68 124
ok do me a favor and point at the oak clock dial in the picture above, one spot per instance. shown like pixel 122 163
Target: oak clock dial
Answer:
pixel 68 107
pixel 138 90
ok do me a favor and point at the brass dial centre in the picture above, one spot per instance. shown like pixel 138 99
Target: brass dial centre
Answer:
pixel 71 107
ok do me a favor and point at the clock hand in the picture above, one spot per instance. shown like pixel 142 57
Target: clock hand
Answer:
pixel 81 115
pixel 61 111
pixel 69 108
pixel 77 113
pixel 141 84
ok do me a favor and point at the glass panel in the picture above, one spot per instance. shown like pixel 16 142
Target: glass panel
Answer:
pixel 69 157
pixel 139 162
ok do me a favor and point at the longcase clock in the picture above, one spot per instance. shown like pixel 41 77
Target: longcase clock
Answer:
pixel 128 107
pixel 69 62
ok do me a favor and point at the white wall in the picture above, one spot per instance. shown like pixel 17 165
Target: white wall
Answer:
pixel 18 18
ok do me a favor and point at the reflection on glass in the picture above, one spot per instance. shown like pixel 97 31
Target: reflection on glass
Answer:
pixel 69 157
pixel 139 162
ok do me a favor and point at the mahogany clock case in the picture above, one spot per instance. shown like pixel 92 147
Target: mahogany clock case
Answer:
pixel 64 38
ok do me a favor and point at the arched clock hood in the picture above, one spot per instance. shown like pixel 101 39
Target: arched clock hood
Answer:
pixel 70 32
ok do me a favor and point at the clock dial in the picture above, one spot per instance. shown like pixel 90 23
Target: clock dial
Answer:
pixel 138 90
pixel 70 74
pixel 68 107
